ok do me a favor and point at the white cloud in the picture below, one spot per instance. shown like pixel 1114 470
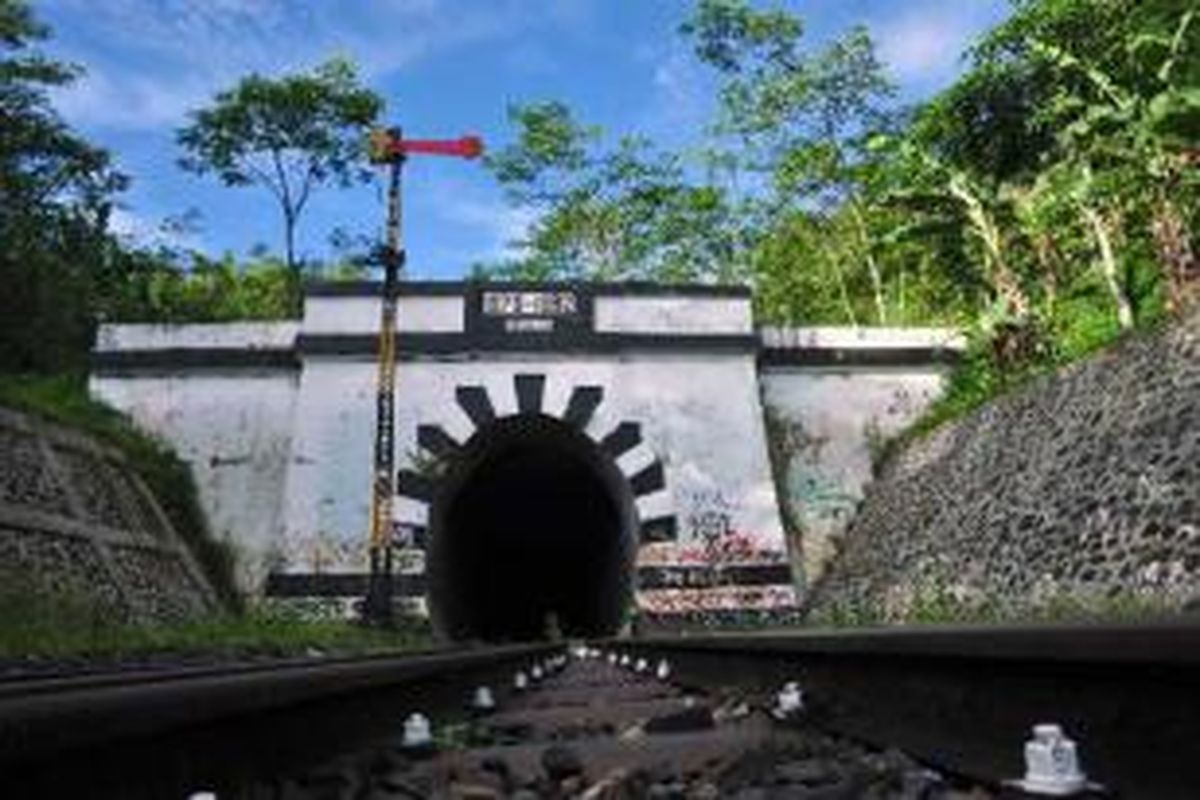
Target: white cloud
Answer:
pixel 923 45
pixel 681 94
pixel 501 225
pixel 162 57
pixel 129 101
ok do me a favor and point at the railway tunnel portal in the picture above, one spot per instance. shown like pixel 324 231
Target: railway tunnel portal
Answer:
pixel 533 530
pixel 575 453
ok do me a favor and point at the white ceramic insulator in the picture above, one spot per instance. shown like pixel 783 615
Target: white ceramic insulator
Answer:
pixel 483 700
pixel 417 732
pixel 1052 763
pixel 789 701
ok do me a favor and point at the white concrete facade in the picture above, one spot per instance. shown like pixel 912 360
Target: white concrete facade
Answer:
pixel 277 419
pixel 831 422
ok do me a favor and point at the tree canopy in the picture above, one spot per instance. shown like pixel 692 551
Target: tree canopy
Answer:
pixel 56 194
pixel 609 211
pixel 1045 201
pixel 290 135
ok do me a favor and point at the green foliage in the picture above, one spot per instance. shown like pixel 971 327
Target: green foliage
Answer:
pixel 807 122
pixel 725 29
pixel 550 144
pixel 1080 199
pixel 1081 327
pixel 64 272
pixel 161 287
pixel 55 197
pixel 289 135
pixel 36 626
pixel 64 399
pixel 622 213
pixel 1044 202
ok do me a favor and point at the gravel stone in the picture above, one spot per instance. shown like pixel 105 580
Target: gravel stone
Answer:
pixel 812 772
pixel 561 762
pixel 698 718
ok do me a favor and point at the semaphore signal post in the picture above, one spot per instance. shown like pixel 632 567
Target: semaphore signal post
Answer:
pixel 389 147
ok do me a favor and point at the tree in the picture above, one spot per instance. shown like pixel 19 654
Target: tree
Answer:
pixel 618 213
pixel 290 135
pixel 1087 107
pixel 804 120
pixel 1130 137
pixel 56 193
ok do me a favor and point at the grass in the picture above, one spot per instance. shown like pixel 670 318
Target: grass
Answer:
pixel 64 399
pixel 1076 332
pixel 38 626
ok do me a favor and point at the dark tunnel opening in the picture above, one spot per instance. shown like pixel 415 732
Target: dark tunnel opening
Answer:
pixel 532 520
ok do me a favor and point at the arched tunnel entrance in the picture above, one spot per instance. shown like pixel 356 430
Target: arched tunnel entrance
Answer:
pixel 533 521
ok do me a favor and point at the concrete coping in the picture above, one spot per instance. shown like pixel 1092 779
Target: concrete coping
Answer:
pixel 865 338
pixel 136 336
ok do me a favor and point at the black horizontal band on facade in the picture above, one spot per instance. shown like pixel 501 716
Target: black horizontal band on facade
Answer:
pixel 857 356
pixel 329 584
pixel 712 618
pixel 415 345
pixel 659 529
pixel 713 577
pixel 111 361
pixel 457 288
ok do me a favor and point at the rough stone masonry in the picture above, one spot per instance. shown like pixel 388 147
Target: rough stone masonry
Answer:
pixel 77 522
pixel 1084 485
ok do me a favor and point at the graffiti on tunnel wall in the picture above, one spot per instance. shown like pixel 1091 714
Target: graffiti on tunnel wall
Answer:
pixel 819 498
pixel 708 516
pixel 824 433
pixel 716 566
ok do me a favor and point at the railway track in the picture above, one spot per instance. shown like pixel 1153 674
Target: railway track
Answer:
pixel 163 733
pixel 917 713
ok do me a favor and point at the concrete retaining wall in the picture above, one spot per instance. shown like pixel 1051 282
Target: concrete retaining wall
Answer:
pixel 831 397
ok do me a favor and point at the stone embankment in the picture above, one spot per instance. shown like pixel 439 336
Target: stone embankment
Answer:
pixel 1080 490
pixel 77 523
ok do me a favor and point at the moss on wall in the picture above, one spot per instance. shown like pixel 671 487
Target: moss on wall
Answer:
pixel 780 447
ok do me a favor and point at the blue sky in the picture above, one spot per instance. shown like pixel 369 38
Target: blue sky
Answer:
pixel 445 67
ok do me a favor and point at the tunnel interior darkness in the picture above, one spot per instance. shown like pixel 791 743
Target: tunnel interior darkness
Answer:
pixel 532 520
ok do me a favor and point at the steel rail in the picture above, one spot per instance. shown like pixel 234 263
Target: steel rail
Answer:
pixel 965 698
pixel 155 733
